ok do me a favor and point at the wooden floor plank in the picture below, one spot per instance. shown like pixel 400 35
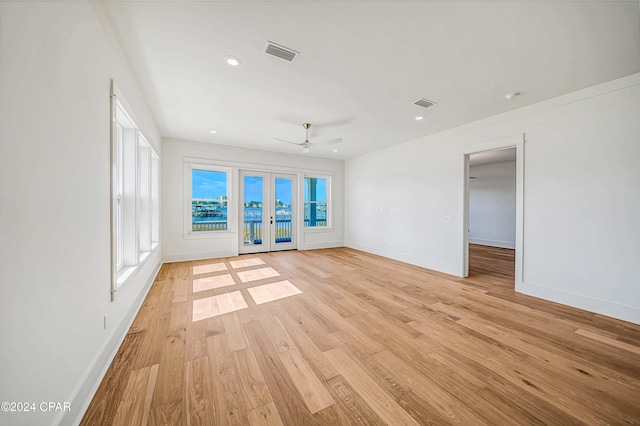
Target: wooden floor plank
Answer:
pixel 172 361
pixel 308 348
pixel 309 386
pixel 445 407
pixel 136 400
pixel 351 403
pixel 228 402
pixel 609 341
pixel 151 386
pixel 265 415
pixel 170 414
pixel 381 402
pixel 288 400
pixel 254 388
pixel 102 410
pixel 234 331
pixel 198 393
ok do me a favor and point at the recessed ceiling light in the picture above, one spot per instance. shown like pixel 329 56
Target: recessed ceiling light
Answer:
pixel 335 150
pixel 214 132
pixel 511 95
pixel 234 61
pixel 420 117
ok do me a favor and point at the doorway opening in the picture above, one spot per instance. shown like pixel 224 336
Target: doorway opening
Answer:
pixel 492 218
pixel 493 213
pixel 267 212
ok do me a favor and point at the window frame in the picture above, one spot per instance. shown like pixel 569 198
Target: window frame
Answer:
pixel 132 208
pixel 329 203
pixel 117 193
pixel 188 232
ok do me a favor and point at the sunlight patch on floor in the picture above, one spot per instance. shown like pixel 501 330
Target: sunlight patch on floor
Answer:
pixel 274 291
pixel 217 281
pixel 206 269
pixel 217 305
pixel 246 262
pixel 257 274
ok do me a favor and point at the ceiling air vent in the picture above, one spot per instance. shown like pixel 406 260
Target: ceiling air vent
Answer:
pixel 280 51
pixel 424 103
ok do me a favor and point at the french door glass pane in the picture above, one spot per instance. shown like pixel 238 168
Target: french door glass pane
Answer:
pixel 253 209
pixel 283 195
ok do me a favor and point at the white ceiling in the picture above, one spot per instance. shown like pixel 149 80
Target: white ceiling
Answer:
pixel 363 64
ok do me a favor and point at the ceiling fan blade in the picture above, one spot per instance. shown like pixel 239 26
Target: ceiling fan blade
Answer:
pixel 292 143
pixel 331 142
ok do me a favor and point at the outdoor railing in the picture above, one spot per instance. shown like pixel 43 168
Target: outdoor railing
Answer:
pixel 284 231
pixel 319 222
pixel 212 225
pixel 253 229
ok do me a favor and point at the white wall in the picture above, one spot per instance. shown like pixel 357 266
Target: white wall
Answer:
pixel 581 197
pixel 178 246
pixel 492 204
pixel 56 62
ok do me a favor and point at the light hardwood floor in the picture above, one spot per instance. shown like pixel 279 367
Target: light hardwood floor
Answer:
pixel 344 337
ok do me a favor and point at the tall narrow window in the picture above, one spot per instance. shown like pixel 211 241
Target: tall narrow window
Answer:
pixel 209 200
pixel 144 197
pixel 155 199
pixel 125 190
pixel 118 186
pixel 135 188
pixel 316 206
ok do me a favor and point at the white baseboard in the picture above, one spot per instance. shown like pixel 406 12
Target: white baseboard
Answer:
pixel 91 381
pixel 598 306
pixel 407 258
pixel 214 254
pixel 183 257
pixel 492 243
pixel 324 245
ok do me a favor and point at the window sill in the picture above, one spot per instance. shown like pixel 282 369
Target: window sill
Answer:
pixel 124 274
pixel 127 272
pixel 318 229
pixel 209 234
pixel 143 256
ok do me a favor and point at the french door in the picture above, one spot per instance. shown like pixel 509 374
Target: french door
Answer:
pixel 267 211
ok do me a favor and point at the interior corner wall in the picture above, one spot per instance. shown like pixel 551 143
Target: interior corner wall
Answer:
pixel 492 204
pixel 581 197
pixel 56 63
pixel 178 246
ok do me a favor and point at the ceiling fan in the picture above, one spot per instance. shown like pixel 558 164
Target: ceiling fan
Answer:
pixel 306 145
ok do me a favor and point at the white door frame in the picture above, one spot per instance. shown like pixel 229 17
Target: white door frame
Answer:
pixel 269 219
pixel 517 142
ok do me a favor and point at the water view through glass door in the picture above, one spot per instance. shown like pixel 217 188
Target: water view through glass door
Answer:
pixel 267 213
pixel 283 212
pixel 253 213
